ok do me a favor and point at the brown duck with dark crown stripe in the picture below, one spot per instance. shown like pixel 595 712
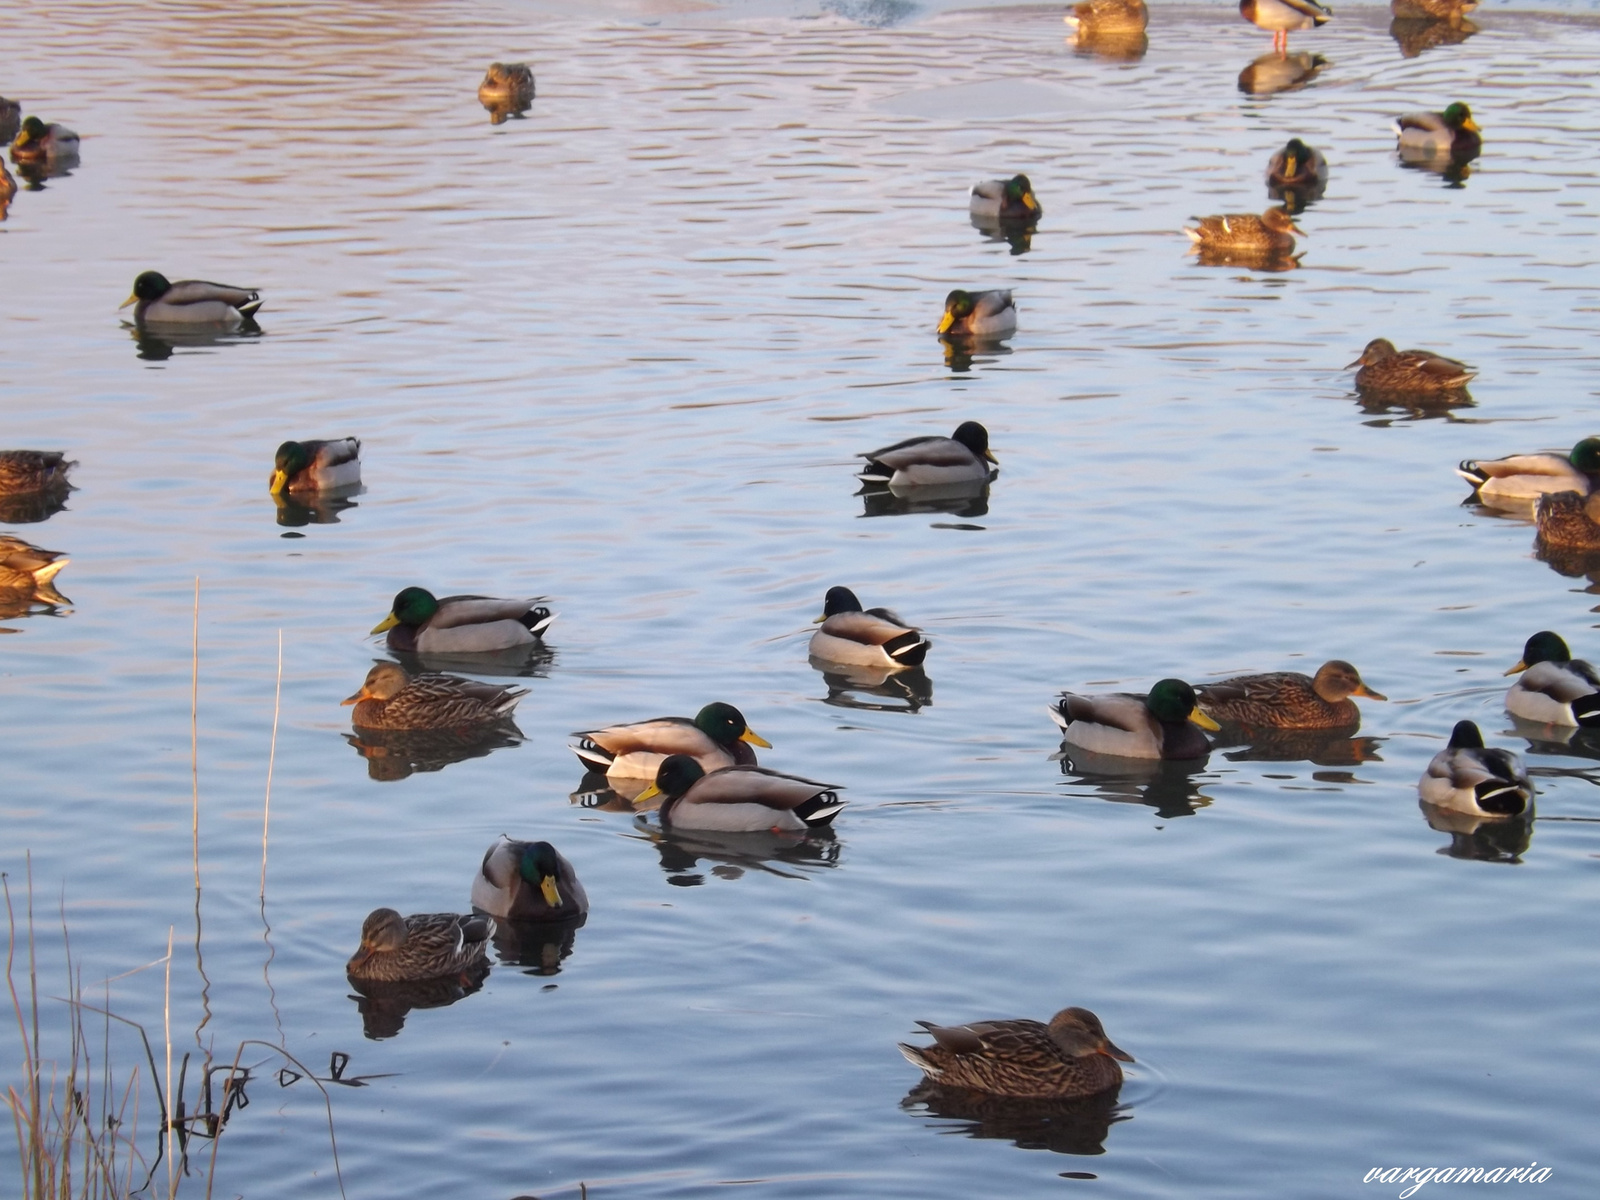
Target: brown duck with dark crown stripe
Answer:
pixel 392 699
pixel 1289 699
pixel 1568 521
pixel 1071 1056
pixel 23 471
pixel 421 946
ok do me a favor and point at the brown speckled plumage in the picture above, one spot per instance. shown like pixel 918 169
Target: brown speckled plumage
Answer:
pixel 1568 521
pixel 1385 369
pixel 1071 1056
pixel 1270 233
pixel 391 699
pixel 421 946
pixel 1288 699
pixel 24 471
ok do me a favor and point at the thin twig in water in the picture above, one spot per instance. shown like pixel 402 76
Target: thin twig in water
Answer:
pixel 272 757
pixel 194 775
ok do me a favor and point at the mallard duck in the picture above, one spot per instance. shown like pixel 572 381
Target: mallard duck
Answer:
pixel 928 461
pixel 1385 369
pixel 39 142
pixel 24 471
pixel 421 946
pixel 1568 521
pixel 420 622
pixel 1452 132
pixel 1283 17
pixel 506 84
pixel 1003 200
pixel 190 302
pixel 25 568
pixel 1071 1056
pixel 1272 233
pixel 1297 166
pixel 1528 476
pixel 978 314
pixel 1288 699
pixel 1468 778
pixel 1555 688
pixel 527 881
pixel 10 119
pixel 717 737
pixel 1108 18
pixel 392 699
pixel 316 466
pixel 1431 10
pixel 739 799
pixel 872 637
pixel 8 188
pixel 1124 725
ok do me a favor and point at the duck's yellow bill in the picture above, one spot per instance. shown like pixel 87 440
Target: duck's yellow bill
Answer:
pixel 1364 690
pixel 946 321
pixel 1470 126
pixel 386 624
pixel 754 738
pixel 280 480
pixel 1029 203
pixel 132 299
pixel 1289 164
pixel 650 793
pixel 1520 667
pixel 820 619
pixel 1205 722
pixel 989 454
pixel 551 893
pixel 357 698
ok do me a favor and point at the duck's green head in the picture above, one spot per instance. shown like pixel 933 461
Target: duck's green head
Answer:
pixel 538 865
pixel 1586 456
pixel 1465 736
pixel 413 606
pixel 675 776
pixel 1295 152
pixel 33 130
pixel 1459 116
pixel 1172 701
pixel 290 460
pixel 975 438
pixel 384 682
pixel 958 306
pixel 1020 191
pixel 1543 646
pixel 725 725
pixel 148 285
pixel 838 600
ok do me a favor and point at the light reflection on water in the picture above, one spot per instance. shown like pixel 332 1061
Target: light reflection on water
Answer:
pixel 623 351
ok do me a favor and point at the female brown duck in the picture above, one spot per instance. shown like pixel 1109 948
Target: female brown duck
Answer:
pixel 1288 699
pixel 1071 1056
pixel 422 946
pixel 1385 369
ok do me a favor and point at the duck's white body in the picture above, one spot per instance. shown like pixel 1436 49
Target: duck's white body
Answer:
pixel 1473 779
pixel 861 638
pixel 925 462
pixel 747 799
pixel 1546 692
pixel 477 625
pixel 1117 725
pixel 1523 477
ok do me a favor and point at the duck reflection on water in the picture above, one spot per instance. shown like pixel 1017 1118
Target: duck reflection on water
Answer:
pixel 961 351
pixel 530 661
pixel 385 1006
pixel 731 855
pixel 26 575
pixel 970 499
pixel 1322 748
pixel 1415 34
pixel 1171 787
pixel 903 690
pixel 395 754
pixel 159 345
pixel 1480 838
pixel 1394 409
pixel 315 508
pixel 1273 73
pixel 1017 233
pixel 540 947
pixel 1077 1126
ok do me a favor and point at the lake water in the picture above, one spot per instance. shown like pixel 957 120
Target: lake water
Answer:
pixel 621 352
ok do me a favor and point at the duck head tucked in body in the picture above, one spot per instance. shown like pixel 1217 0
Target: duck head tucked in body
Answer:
pixel 1071 1056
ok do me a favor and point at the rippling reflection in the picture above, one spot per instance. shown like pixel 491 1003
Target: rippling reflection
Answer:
pixel 29 508
pixel 1412 407
pixel 538 946
pixel 1267 261
pixel 315 508
pixel 1454 167
pixel 595 790
pixel 1274 73
pixel 385 1006
pixel 1557 741
pixel 34 174
pixel 961 352
pixel 152 346
pixel 1171 788
pixel 1318 747
pixel 1485 839
pixel 1573 564
pixel 732 854
pixel 906 690
pixel 394 754
pixel 1017 234
pixel 957 499
pixel 1061 1126
pixel 1118 47
pixel 1415 34
pixel 530 661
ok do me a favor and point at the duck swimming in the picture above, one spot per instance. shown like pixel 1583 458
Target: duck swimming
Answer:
pixel 1289 699
pixel 1555 688
pixel 26 571
pixel 1385 369
pixel 39 142
pixel 739 799
pixel 527 881
pixel 1452 132
pixel 1071 1056
pixel 421 623
pixel 872 637
pixel 1297 166
pixel 392 699
pixel 1525 477
pixel 930 461
pixel 1124 725
pixel 1568 521
pixel 190 302
pixel 978 314
pixel 316 466
pixel 1467 777
pixel 395 949
pixel 717 737
pixel 1108 18
pixel 25 471
pixel 1004 200
pixel 1272 233
pixel 506 85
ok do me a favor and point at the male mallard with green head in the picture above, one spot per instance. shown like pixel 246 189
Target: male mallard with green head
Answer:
pixel 1160 724
pixel 872 637
pixel 392 699
pixel 395 949
pixel 739 799
pixel 717 737
pixel 420 622
pixel 1555 688
pixel 316 466
pixel 932 461
pixel 190 302
pixel 1468 777
pixel 1385 369
pixel 1297 166
pixel 1289 699
pixel 528 881
pixel 1071 1056
pixel 990 314
pixel 39 142
pixel 1005 200
pixel 1525 477
pixel 1452 132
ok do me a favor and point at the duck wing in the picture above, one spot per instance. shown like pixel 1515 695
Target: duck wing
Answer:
pixel 1117 710
pixel 199 291
pixel 990 304
pixel 455 611
pixel 923 451
pixel 1562 682
pixel 872 628
pixel 755 785
pixel 334 452
pixel 664 735
pixel 995 1039
pixel 1554 465
pixel 1426 122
